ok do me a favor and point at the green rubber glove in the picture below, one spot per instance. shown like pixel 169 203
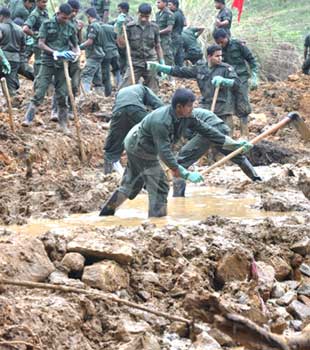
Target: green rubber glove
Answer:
pixel 195 176
pixel 5 64
pixel 183 172
pixel 254 81
pixel 119 22
pixel 232 145
pixel 157 67
pixel 218 81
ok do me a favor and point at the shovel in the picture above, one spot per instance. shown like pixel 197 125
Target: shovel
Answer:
pixel 293 117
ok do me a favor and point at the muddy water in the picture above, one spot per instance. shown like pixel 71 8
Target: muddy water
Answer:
pixel 200 203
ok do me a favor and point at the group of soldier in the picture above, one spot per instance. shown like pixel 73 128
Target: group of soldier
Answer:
pixel 158 50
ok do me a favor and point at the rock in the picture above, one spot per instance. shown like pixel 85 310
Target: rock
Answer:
pixel 278 291
pixel 304 299
pixel 222 338
pixel 146 341
pixel 59 277
pixel 265 274
pixel 24 258
pixel 304 289
pixel 293 77
pixel 305 269
pixel 205 342
pixel 93 244
pixel 299 310
pixel 287 298
pixel 296 324
pixel 302 247
pixel 296 260
pixel 73 262
pixel 105 275
pixel 278 326
pixel 233 266
pixel 281 267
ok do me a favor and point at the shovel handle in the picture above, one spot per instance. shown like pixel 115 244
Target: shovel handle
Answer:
pixel 215 96
pixel 258 138
pixel 8 100
pixel 132 74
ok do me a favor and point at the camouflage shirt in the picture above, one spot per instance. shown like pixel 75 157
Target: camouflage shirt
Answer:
pixel 223 15
pixel 204 75
pixel 34 21
pixel 143 41
pixel 164 18
pixel 101 6
pixel 18 9
pixel 238 55
pixel 95 32
pixel 190 42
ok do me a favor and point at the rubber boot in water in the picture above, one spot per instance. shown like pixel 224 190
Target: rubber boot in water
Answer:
pixel 112 203
pixel 179 186
pixel 30 114
pixel 157 210
pixel 244 128
pixel 249 170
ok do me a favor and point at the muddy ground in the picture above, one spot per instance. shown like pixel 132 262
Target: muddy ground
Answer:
pixel 257 268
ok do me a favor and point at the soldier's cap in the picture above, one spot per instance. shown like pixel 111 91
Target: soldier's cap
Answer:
pixel 75 4
pixel 5 12
pixel 221 1
pixel 91 12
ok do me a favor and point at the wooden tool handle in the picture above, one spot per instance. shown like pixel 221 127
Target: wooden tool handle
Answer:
pixel 258 138
pixel 8 100
pixel 132 74
pixel 215 96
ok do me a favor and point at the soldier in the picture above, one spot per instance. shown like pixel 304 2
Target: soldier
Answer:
pixel 129 109
pixel 210 75
pixel 306 64
pixel 143 37
pixel 224 17
pixel 198 145
pixel 94 49
pixel 102 8
pixel 12 43
pixel 165 20
pixel 31 28
pixel 192 49
pixel 57 38
pixel 152 139
pixel 22 9
pixel 176 35
pixel 239 56
pixel 123 10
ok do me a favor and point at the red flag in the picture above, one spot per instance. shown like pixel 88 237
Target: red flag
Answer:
pixel 238 4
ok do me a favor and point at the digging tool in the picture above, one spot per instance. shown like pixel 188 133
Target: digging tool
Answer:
pixel 291 117
pixel 133 80
pixel 74 109
pixel 215 96
pixel 8 100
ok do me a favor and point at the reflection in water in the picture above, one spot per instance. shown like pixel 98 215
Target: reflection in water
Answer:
pixel 200 203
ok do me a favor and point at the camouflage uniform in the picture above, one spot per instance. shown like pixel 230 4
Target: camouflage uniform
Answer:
pixel 122 50
pixel 58 37
pixel 306 64
pixel 12 44
pixel 176 36
pixel 150 140
pixel 19 10
pixel 192 49
pixel 223 15
pixel 94 54
pixel 34 21
pixel 101 7
pixel 129 109
pixel 164 18
pixel 238 55
pixel 142 40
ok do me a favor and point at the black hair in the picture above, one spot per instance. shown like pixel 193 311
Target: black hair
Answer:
pixel 124 6
pixel 75 4
pixel 182 96
pixel 176 3
pixel 220 1
pixel 66 9
pixel 220 33
pixel 5 12
pixel 91 12
pixel 145 9
pixel 18 21
pixel 213 48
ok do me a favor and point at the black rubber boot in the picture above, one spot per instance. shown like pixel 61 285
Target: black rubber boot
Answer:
pixel 249 170
pixel 30 114
pixel 157 210
pixel 63 119
pixel 112 203
pixel 107 167
pixel 54 111
pixel 179 186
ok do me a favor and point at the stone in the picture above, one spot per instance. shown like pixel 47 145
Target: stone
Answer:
pixel 278 291
pixel 296 260
pixel 281 267
pixel 296 324
pixel 145 341
pixel 206 342
pixel 265 275
pixel 94 244
pixel 305 269
pixel 59 277
pixel 287 298
pixel 233 266
pixel 304 299
pixel 278 326
pixel 299 310
pixel 304 289
pixel 73 262
pixel 222 338
pixel 105 275
pixel 301 247
pixel 24 258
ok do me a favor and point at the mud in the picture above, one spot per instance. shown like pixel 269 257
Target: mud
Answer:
pixel 256 266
